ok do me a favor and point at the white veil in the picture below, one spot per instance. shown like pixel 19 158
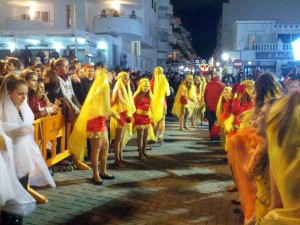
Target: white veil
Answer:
pixel 27 156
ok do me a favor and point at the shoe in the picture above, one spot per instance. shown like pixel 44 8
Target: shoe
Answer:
pixel 147 156
pixel 107 177
pixel 148 149
pixel 119 164
pixel 232 188
pixel 125 162
pixel 141 157
pixel 100 182
pixel 235 202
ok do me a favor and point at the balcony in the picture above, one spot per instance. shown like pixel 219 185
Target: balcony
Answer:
pixel 122 26
pixel 163 4
pixel 164 47
pixel 27 23
pixel 164 24
pixel 267 47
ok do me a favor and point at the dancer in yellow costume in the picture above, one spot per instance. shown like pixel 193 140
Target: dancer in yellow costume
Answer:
pixel 283 131
pixel 91 124
pixel 121 121
pixel 160 89
pixel 199 96
pixel 143 100
pixel 184 102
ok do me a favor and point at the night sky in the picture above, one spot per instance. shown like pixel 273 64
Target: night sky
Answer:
pixel 200 17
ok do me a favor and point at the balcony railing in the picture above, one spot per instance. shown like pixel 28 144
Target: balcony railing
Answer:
pixel 27 23
pixel 268 47
pixel 123 26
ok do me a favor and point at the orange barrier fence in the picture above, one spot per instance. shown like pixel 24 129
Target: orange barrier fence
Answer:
pixel 55 130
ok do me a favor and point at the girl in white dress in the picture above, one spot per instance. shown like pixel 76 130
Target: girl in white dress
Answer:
pixel 10 188
pixel 17 119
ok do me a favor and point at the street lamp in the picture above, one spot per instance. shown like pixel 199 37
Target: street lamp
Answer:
pixel 225 57
pixel 296 49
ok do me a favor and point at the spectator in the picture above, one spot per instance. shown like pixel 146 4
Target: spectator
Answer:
pixel 116 14
pixel 133 15
pixel 26 56
pixel 42 56
pixel 13 65
pixel 103 14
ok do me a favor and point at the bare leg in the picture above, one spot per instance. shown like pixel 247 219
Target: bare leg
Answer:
pixel 95 144
pixel 161 128
pixel 185 117
pixel 144 146
pixel 103 156
pixel 181 119
pixel 140 143
pixel 118 147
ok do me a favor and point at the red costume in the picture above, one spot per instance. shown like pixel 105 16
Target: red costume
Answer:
pixel 96 126
pixel 142 114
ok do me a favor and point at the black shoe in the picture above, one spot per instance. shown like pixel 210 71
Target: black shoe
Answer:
pixel 96 182
pixel 235 202
pixel 107 177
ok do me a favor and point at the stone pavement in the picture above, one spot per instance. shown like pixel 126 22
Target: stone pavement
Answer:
pixel 183 182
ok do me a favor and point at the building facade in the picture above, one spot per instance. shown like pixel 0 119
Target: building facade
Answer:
pixel 259 33
pixel 96 30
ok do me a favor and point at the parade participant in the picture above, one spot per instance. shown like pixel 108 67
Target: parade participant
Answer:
pixel 160 89
pixel 245 143
pixel 121 120
pixel 91 124
pixel 212 93
pixel 199 93
pixel 10 187
pixel 184 103
pixel 143 100
pixel 222 112
pixel 17 119
pixel 283 126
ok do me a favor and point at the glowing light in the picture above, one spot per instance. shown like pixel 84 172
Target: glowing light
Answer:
pixel 225 56
pixel 296 49
pixel 81 41
pixel 116 5
pixel 34 42
pixel 218 64
pixel 57 46
pixel 249 63
pixel 102 45
pixel 181 67
pixel 11 46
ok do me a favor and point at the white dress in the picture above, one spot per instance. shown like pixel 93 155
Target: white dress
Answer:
pixel 27 156
pixel 11 190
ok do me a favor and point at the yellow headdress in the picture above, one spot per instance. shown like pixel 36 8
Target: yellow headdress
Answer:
pixel 160 91
pixel 97 103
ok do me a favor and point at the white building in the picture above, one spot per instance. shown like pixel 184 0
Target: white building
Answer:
pixel 54 24
pixel 259 33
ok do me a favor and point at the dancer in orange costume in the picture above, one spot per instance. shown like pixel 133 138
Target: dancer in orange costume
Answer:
pixel 244 144
pixel 160 89
pixel 143 100
pixel 91 124
pixel 121 122
pixel 184 102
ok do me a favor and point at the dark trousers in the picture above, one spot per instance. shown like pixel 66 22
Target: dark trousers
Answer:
pixel 211 117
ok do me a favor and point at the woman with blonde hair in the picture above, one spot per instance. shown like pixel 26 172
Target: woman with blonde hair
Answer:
pixel 283 130
pixel 91 124
pixel 143 100
pixel 160 89
pixel 121 121
pixel 184 103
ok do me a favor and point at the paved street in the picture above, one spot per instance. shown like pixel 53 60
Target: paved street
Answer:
pixel 183 182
